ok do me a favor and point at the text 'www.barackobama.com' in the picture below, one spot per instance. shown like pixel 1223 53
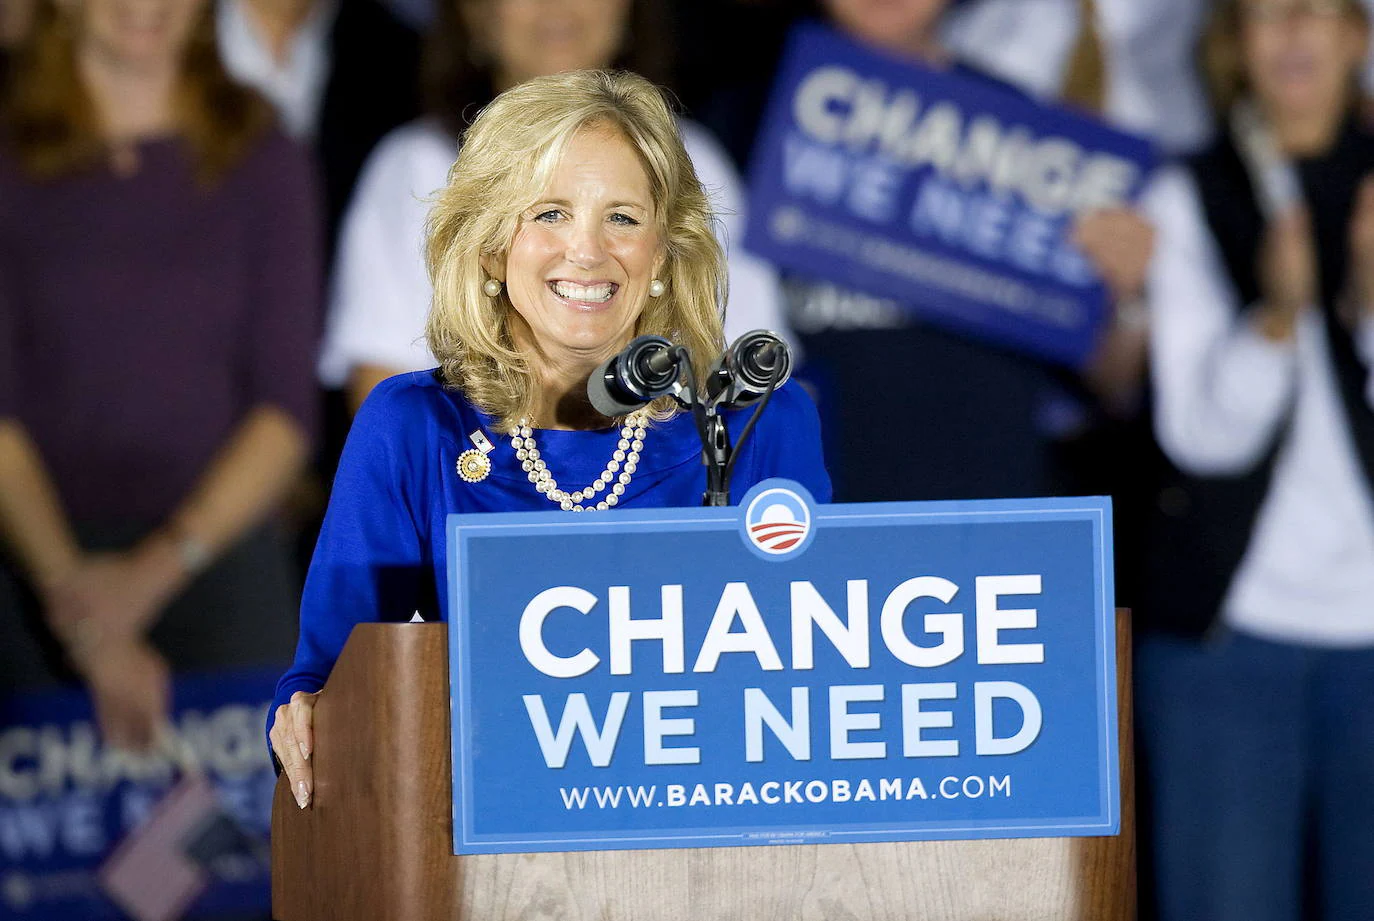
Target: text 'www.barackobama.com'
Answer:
pixel 785 792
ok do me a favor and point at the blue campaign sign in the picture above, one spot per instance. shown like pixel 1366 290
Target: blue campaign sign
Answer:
pixel 68 801
pixel 781 672
pixel 947 192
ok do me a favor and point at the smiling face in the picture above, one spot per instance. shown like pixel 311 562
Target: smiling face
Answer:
pixel 532 38
pixel 1301 55
pixel 138 34
pixel 579 267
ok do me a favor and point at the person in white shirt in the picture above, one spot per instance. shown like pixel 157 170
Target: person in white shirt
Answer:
pixel 1151 81
pixel 380 292
pixel 1255 670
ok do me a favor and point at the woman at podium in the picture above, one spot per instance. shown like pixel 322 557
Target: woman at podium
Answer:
pixel 572 222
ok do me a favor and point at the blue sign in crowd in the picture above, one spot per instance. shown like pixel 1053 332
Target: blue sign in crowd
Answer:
pixel 954 198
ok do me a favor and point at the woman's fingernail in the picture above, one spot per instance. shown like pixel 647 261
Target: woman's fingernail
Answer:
pixel 305 750
pixel 302 794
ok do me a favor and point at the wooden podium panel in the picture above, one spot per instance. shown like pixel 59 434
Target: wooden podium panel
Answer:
pixel 375 845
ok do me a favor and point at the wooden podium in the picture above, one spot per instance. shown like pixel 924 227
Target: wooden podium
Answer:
pixel 375 845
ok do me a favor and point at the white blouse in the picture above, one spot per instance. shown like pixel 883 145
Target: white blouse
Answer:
pixel 1222 393
pixel 1153 85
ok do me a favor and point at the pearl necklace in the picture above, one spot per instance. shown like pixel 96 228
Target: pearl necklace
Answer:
pixel 619 470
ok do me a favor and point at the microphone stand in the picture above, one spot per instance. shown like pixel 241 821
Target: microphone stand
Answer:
pixel 715 437
pixel 716 454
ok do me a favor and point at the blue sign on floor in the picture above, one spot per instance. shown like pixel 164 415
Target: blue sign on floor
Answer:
pixel 781 672
pixel 68 801
pixel 942 190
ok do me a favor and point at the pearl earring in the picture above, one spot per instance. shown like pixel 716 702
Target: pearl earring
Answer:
pixel 656 288
pixel 492 287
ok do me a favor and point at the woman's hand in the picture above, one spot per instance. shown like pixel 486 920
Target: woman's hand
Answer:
pixel 114 596
pixel 1119 242
pixel 1287 274
pixel 131 687
pixel 293 739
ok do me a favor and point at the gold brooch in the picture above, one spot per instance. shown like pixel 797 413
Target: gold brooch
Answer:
pixel 473 466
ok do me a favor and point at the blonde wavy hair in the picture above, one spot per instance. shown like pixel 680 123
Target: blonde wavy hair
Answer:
pixel 507 158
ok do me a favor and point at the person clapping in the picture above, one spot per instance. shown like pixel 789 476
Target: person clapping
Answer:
pixel 1256 662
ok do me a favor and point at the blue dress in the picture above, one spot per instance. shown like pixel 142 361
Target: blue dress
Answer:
pixel 381 554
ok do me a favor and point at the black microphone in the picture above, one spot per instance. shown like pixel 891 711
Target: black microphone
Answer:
pixel 645 370
pixel 757 360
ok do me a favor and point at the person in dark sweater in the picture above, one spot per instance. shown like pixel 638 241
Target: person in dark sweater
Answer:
pixel 160 277
pixel 1255 667
pixel 340 74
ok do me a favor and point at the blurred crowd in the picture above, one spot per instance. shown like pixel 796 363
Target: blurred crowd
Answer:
pixel 211 228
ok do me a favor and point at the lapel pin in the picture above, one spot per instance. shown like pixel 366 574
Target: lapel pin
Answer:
pixel 473 464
